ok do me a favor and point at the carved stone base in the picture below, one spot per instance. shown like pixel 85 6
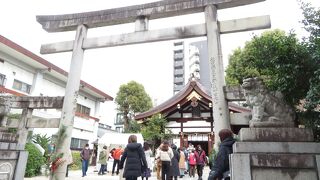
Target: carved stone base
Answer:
pixel 253 166
pixel 270 124
pixel 275 153
pixel 276 135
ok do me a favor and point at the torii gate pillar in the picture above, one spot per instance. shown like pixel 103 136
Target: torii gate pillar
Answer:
pixel 219 104
pixel 70 99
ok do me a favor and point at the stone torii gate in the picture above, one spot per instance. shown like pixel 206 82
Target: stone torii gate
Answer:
pixel 13 157
pixel 140 15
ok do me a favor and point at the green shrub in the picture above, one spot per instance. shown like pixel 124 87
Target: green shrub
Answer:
pixel 212 156
pixel 76 165
pixel 35 161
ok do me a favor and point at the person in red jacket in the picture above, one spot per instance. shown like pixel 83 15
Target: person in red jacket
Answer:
pixel 116 159
pixel 201 160
pixel 192 163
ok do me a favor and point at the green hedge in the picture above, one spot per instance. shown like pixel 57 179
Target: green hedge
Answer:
pixel 35 161
pixel 76 160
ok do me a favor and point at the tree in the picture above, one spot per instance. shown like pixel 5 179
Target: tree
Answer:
pixel 132 98
pixel 311 24
pixel 134 127
pixel 279 59
pixel 154 129
pixel 286 65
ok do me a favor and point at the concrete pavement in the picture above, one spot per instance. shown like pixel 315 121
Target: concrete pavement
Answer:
pixel 91 175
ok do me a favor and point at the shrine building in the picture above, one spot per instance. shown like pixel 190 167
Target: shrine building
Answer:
pixel 189 116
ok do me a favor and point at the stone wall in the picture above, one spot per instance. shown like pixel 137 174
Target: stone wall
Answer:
pixel 12 162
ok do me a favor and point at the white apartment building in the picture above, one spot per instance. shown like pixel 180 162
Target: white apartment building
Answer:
pixel 190 59
pixel 178 67
pixel 23 73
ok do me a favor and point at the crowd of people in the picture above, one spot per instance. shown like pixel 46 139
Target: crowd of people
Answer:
pixel 170 162
pixel 175 162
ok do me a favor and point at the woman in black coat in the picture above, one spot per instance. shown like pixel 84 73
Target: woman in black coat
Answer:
pixel 221 163
pixel 175 171
pixel 135 159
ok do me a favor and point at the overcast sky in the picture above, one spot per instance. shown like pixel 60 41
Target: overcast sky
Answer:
pixel 149 64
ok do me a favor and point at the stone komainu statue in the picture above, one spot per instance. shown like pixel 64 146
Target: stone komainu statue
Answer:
pixel 4 111
pixel 267 109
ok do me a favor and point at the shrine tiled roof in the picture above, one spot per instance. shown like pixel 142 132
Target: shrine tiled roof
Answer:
pixel 192 85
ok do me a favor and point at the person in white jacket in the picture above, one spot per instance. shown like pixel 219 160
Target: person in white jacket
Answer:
pixel 148 153
pixel 165 155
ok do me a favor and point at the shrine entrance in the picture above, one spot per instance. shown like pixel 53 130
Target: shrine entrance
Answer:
pixel 189 116
pixel 203 144
pixel 141 15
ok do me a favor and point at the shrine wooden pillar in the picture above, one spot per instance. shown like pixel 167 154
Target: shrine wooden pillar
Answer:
pixel 183 137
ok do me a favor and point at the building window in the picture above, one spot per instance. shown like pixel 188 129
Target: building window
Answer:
pixel 119 119
pixel 21 86
pixel 2 79
pixel 83 109
pixel 119 129
pixel 78 143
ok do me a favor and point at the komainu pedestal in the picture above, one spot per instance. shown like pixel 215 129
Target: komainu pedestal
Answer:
pixel 275 154
pixel 272 148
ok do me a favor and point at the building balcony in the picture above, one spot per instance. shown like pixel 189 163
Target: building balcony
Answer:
pixel 178 64
pixel 178 72
pixel 84 116
pixel 4 91
pixel 179 80
pixel 178 56
pixel 178 88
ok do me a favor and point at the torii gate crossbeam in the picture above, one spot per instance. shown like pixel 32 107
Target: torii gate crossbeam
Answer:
pixel 141 14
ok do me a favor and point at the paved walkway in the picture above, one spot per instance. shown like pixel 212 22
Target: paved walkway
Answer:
pixel 91 175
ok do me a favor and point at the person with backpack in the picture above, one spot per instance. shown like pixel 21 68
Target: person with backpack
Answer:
pixel 165 154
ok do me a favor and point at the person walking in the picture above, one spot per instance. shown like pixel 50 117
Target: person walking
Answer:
pixel 158 162
pixel 165 154
pixel 182 162
pixel 174 171
pixel 201 160
pixel 221 163
pixel 135 159
pixel 147 152
pixel 103 160
pixel 85 155
pixel 189 150
pixel 116 159
pixel 192 163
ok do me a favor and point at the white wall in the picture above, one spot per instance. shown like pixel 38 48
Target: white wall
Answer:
pixel 189 124
pixel 50 86
pixel 14 72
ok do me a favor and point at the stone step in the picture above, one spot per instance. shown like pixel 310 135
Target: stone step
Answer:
pixel 276 135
